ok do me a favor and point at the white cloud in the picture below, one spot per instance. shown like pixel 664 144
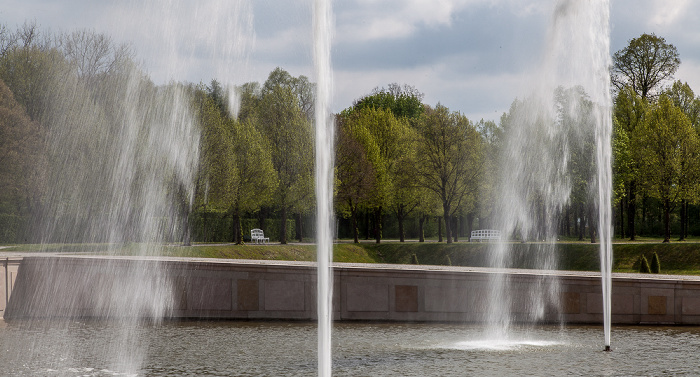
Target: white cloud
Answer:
pixel 474 94
pixel 665 13
pixel 368 20
pixel 449 49
pixel 689 72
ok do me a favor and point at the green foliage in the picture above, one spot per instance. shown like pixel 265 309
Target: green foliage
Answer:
pixel 683 97
pixel 218 172
pixel 414 259
pixel 645 64
pixel 12 228
pixel 286 126
pixel 449 159
pixel 21 157
pixel 667 148
pixel 644 265
pixel 403 102
pixel 217 226
pixel 385 143
pixel 655 267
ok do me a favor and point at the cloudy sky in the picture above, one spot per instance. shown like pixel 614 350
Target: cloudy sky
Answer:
pixel 474 56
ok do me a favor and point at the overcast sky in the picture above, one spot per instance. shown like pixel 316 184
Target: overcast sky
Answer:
pixel 474 56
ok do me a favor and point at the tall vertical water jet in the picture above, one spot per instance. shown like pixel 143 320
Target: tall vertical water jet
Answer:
pixel 604 162
pixel 322 30
pixel 550 139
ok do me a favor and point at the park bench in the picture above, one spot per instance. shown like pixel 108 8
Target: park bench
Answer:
pixel 485 235
pixel 257 236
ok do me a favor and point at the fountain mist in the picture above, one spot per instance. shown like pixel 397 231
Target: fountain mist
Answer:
pixel 550 139
pixel 323 28
pixel 124 155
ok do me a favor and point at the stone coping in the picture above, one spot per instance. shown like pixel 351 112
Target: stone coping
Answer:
pixel 363 266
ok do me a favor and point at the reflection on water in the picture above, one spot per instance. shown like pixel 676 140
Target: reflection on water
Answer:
pixel 50 348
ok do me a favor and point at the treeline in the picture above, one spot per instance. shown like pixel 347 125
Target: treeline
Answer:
pixel 403 168
pixel 81 130
pixel 655 142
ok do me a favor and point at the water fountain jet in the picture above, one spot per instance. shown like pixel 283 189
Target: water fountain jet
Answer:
pixel 552 134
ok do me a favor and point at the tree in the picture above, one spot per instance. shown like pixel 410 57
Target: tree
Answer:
pixel 667 147
pixel 449 159
pixel 257 178
pixel 355 177
pixel 407 195
pixel 645 64
pixel 576 119
pixel 683 97
pixel 628 112
pixel 289 135
pixel 249 95
pixel 93 55
pixel 302 89
pixel 21 157
pixel 385 141
pixel 403 102
pixel 492 136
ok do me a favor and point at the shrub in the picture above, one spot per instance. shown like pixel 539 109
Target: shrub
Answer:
pixel 644 266
pixel 414 259
pixel 448 260
pixel 655 267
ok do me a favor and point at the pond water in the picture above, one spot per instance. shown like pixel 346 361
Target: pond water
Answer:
pixel 227 348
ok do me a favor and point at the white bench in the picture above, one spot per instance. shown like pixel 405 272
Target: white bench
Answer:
pixel 485 235
pixel 257 236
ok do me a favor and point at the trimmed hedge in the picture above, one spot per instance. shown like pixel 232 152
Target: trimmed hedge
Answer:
pixel 219 228
pixel 12 228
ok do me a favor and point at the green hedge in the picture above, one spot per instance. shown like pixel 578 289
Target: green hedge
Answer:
pixel 219 227
pixel 12 228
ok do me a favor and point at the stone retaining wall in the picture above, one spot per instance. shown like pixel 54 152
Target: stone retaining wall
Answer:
pixel 230 289
pixel 8 273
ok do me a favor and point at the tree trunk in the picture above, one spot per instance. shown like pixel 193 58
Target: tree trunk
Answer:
pixel 204 221
pixel 687 217
pixel 378 225
pixel 237 228
pixel 355 231
pixel 187 236
pixel 367 227
pixel 300 228
pixel 470 225
pixel 439 221
pixel 647 223
pixel 631 210
pixel 592 223
pixel 684 220
pixel 581 222
pixel 448 221
pixel 622 218
pixel 283 226
pixel 400 217
pixel 667 220
pixel 421 228
pixel 261 218
pixel 455 226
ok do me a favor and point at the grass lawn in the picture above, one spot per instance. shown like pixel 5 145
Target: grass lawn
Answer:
pixel 675 257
